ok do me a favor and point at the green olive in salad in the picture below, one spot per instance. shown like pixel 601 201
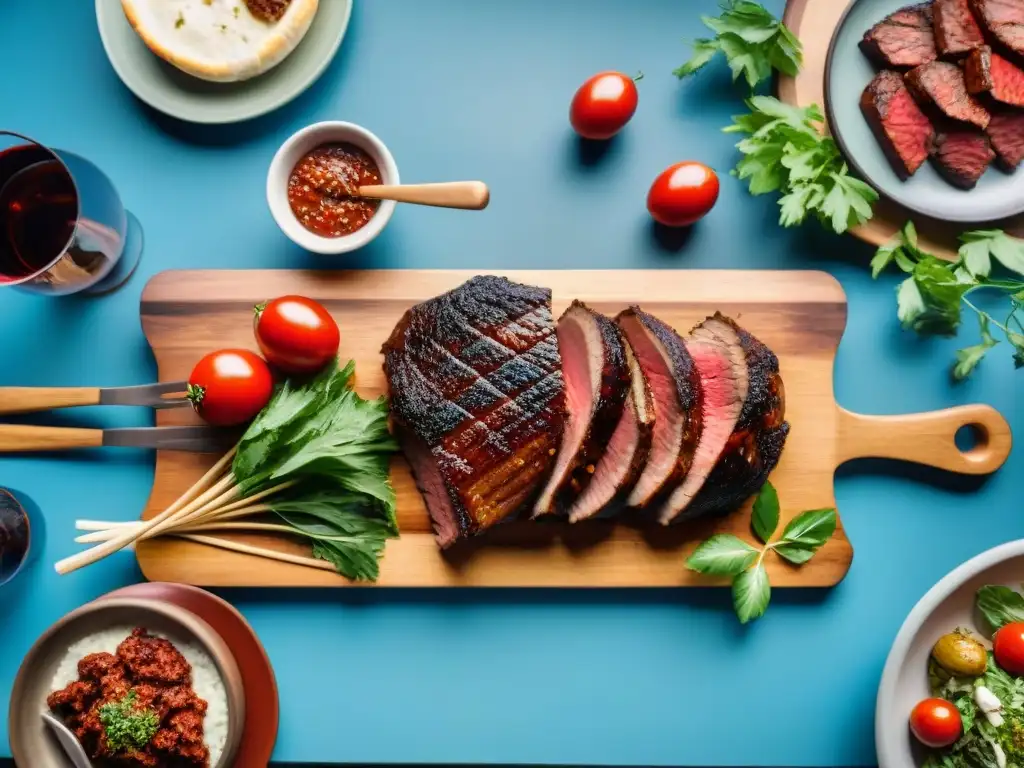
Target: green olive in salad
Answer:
pixel 959 653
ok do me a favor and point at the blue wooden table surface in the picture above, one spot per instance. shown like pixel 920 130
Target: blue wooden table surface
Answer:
pixel 462 89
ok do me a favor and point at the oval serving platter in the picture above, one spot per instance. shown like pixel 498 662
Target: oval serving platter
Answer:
pixel 848 71
pixel 179 95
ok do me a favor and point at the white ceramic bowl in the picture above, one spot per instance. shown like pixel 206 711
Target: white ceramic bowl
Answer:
pixel 293 150
pixel 947 605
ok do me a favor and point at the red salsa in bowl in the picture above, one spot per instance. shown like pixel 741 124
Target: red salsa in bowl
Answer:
pixel 322 188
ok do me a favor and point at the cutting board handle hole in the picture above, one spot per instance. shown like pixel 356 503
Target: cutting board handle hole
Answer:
pixel 971 439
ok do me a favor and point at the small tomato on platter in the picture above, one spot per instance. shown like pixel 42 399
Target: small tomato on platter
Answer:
pixel 230 387
pixel 296 334
pixel 603 105
pixel 1008 647
pixel 936 722
pixel 683 194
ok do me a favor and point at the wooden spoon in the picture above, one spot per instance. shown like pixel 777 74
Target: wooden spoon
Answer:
pixel 469 195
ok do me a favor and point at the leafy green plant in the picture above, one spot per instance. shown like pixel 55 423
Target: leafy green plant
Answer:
pixel 785 151
pixel 730 556
pixel 752 40
pixel 932 298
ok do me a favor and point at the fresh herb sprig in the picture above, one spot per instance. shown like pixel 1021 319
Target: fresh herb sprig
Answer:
pixel 785 151
pixel 932 299
pixel 752 40
pixel 126 725
pixel 999 605
pixel 730 556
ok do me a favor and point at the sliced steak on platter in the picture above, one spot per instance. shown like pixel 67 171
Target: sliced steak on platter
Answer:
pixel 1004 22
pixel 716 349
pixel 597 382
pixel 957 32
pixel 675 384
pixel 478 400
pixel 1006 134
pixel 962 154
pixel 989 73
pixel 904 39
pixel 902 129
pixel 941 85
pixel 756 444
pixel 626 454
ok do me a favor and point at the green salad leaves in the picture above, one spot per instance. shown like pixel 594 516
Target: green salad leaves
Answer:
pixel 931 300
pixel 785 151
pixel 752 40
pixel 730 556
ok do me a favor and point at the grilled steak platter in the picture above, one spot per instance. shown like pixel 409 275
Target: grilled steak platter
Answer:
pixel 948 70
pixel 578 428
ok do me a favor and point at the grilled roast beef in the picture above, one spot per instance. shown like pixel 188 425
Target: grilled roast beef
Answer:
pixel 1006 134
pixel 1004 21
pixel 478 399
pixel 989 73
pixel 904 39
pixel 597 381
pixel 902 129
pixel 962 155
pixel 941 85
pixel 756 443
pixel 627 451
pixel 956 30
pixel 675 384
pixel 716 349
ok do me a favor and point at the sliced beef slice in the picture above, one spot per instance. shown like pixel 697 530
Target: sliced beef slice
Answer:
pixel 956 30
pixel 903 39
pixel 597 381
pixel 756 444
pixel 904 132
pixel 989 73
pixel 478 400
pixel 675 385
pixel 1004 22
pixel 941 86
pixel 626 454
pixel 1006 134
pixel 962 155
pixel 716 349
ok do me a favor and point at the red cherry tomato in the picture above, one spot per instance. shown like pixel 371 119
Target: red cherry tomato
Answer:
pixel 936 722
pixel 683 194
pixel 296 334
pixel 1008 647
pixel 603 105
pixel 230 387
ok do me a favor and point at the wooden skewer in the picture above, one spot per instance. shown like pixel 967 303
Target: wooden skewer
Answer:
pixel 248 549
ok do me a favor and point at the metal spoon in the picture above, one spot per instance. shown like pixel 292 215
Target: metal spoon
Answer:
pixel 68 741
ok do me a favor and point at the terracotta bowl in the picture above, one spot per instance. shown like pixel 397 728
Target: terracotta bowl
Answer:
pixel 31 741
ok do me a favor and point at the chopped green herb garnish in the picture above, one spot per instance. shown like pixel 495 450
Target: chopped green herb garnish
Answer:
pixel 180 21
pixel 127 726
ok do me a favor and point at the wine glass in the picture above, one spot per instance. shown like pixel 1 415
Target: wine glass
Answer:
pixel 63 228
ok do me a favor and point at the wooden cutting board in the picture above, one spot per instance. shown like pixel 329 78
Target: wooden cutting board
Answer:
pixel 800 315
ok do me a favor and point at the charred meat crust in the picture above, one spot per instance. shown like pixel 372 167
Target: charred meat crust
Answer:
pixel 901 128
pixel 755 446
pixel 978 71
pixel 943 87
pixel 475 374
pixel 903 39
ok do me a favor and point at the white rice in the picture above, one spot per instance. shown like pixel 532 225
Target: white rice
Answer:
pixel 206 679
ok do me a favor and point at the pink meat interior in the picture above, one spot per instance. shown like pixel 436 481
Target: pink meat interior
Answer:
pixel 612 469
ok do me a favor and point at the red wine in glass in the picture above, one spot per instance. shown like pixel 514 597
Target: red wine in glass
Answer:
pixel 63 228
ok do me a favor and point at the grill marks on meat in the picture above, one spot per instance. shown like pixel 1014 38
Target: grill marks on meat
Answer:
pixel 479 400
pixel 627 451
pixel 675 384
pixel 716 349
pixel 1004 20
pixel 942 86
pixel 904 39
pixel 902 129
pixel 956 30
pixel 597 381
pixel 989 73
pixel 962 155
pixel 1006 134
pixel 756 444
